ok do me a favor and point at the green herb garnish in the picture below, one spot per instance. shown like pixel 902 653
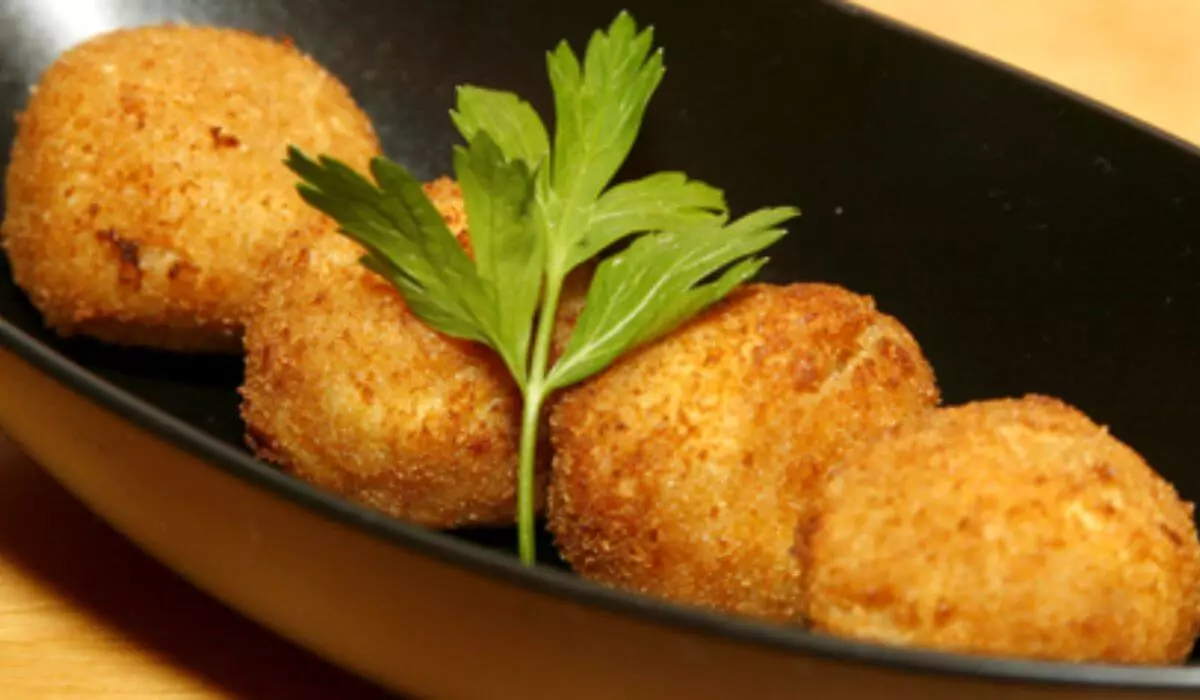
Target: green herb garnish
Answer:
pixel 538 209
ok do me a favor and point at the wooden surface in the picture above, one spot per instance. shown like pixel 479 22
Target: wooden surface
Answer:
pixel 85 615
pixel 1141 56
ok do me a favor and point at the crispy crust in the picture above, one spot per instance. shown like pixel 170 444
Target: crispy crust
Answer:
pixel 1009 528
pixel 347 389
pixel 146 185
pixel 681 471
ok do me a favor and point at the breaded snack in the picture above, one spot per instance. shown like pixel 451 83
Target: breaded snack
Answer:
pixel 347 389
pixel 681 471
pixel 1005 528
pixel 147 186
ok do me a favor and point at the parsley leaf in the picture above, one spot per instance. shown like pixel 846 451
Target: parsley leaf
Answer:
pixel 406 239
pixel 598 109
pixel 599 106
pixel 646 290
pixel 537 209
pixel 499 197
pixel 510 121
pixel 659 202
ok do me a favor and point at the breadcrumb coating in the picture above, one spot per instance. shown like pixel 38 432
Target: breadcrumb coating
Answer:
pixel 1013 527
pixel 681 471
pixel 349 390
pixel 146 185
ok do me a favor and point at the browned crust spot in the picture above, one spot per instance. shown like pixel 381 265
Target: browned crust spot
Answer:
pixel 129 272
pixel 223 139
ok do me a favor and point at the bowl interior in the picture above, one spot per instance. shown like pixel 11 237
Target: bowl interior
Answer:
pixel 1031 242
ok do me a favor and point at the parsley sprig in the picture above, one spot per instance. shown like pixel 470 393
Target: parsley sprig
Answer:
pixel 536 210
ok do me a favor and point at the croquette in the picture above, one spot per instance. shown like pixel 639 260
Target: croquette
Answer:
pixel 682 470
pixel 146 185
pixel 347 389
pixel 1013 527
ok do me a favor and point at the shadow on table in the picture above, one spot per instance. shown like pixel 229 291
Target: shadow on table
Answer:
pixel 51 537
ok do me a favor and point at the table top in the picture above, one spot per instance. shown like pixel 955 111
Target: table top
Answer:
pixel 84 614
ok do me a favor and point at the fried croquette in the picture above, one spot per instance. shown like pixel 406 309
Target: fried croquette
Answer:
pixel 682 470
pixel 349 390
pixel 146 186
pixel 1006 528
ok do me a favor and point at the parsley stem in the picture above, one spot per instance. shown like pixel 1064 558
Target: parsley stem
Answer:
pixel 535 398
pixel 530 419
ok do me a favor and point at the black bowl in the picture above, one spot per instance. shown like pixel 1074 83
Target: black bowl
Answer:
pixel 1033 242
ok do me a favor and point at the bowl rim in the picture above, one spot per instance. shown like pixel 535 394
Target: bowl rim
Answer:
pixel 559 584
pixel 568 587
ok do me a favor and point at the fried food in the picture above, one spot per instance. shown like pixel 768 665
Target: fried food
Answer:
pixel 1008 528
pixel 348 390
pixel 682 470
pixel 146 186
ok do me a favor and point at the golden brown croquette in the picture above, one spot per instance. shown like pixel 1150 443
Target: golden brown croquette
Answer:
pixel 147 187
pixel 681 471
pixel 1006 528
pixel 350 391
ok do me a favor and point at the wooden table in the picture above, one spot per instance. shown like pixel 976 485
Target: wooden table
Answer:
pixel 84 614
